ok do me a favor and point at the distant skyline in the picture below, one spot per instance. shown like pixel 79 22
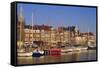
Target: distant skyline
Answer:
pixel 83 17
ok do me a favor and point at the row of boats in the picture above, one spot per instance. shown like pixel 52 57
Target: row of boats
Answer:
pixel 54 51
pixel 38 53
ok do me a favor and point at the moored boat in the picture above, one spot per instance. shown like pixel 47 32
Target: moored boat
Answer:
pixel 66 50
pixel 37 53
pixel 24 54
pixel 91 47
pixel 54 51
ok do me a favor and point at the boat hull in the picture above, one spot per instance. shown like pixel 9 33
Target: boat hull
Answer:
pixel 36 54
pixel 24 54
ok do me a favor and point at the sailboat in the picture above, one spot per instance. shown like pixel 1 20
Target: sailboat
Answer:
pixel 82 47
pixel 22 52
pixel 36 52
pixel 90 44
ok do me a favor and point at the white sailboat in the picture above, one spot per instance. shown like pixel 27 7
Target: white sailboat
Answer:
pixel 90 44
pixel 37 52
pixel 22 52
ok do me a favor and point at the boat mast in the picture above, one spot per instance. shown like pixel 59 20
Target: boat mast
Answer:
pixel 21 16
pixel 32 28
pixel 77 30
pixel 48 24
pixel 59 27
pixel 63 30
pixel 88 37
pixel 57 33
pixel 69 34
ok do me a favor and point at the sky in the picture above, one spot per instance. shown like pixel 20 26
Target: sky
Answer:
pixel 55 15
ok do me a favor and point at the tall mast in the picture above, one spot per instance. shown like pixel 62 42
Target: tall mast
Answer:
pixel 32 28
pixel 88 35
pixel 59 23
pixel 69 34
pixel 57 32
pixel 48 24
pixel 21 17
pixel 62 25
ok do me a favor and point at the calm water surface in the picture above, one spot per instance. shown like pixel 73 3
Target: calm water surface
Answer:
pixel 64 57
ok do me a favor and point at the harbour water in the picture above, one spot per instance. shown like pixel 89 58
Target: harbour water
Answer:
pixel 85 55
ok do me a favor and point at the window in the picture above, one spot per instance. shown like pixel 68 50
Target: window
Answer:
pixel 27 30
pixel 26 39
pixel 26 35
pixel 37 31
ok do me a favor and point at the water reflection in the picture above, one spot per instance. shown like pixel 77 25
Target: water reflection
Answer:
pixel 64 57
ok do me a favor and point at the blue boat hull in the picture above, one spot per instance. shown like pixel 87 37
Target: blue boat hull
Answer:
pixel 36 54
